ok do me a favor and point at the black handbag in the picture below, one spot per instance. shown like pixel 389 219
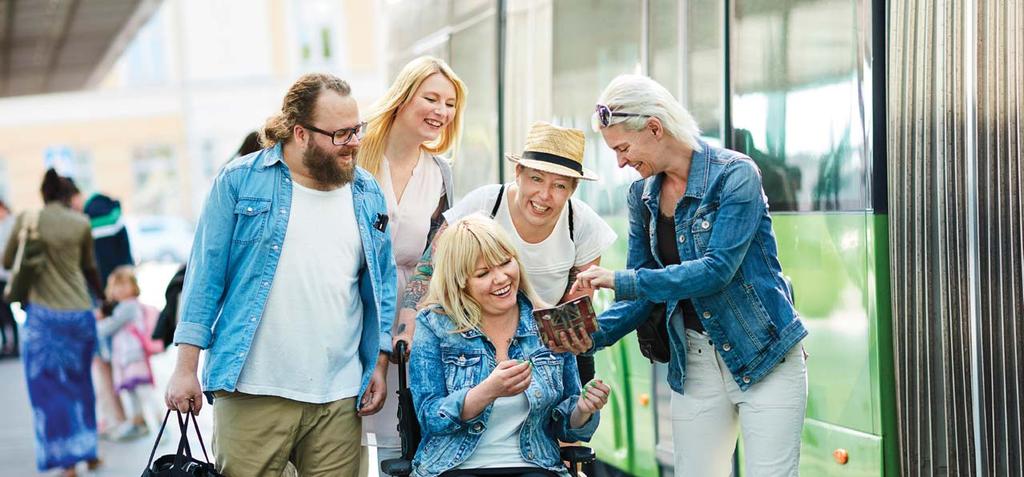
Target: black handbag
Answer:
pixel 652 335
pixel 181 463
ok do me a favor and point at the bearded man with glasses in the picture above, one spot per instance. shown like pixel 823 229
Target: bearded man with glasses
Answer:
pixel 291 290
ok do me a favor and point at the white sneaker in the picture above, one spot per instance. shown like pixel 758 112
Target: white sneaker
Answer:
pixel 128 431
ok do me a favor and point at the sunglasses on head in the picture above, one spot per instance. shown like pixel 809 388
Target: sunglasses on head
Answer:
pixel 605 115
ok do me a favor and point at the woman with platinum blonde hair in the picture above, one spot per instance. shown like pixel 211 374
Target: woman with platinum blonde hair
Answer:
pixel 417 119
pixel 489 397
pixel 701 242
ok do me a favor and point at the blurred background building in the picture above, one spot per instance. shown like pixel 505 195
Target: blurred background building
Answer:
pixel 167 91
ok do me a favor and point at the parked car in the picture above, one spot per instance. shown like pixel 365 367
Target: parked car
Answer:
pixel 160 238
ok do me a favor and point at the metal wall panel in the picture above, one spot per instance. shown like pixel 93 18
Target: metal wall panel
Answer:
pixel 1000 72
pixel 953 64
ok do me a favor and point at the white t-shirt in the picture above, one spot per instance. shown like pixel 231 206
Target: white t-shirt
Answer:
pixel 548 262
pixel 306 347
pixel 499 443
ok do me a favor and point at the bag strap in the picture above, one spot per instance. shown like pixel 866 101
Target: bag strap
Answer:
pixel 158 436
pixel 32 223
pixel 184 450
pixel 183 447
pixel 195 424
pixel 572 230
pixel 497 204
pixel 29 226
pixel 497 201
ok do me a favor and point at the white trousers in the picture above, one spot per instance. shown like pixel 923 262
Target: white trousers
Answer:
pixel 712 410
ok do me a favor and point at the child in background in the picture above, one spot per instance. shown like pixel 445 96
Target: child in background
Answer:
pixel 124 322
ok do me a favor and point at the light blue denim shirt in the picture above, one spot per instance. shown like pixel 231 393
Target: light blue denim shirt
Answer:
pixel 235 255
pixel 444 366
pixel 729 269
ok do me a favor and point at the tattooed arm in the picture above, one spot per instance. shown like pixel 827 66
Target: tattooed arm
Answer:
pixel 415 291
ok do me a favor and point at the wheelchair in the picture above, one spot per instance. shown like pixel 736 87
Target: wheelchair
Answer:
pixel 409 430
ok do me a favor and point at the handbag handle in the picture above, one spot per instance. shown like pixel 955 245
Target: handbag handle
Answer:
pixel 195 424
pixel 158 436
pixel 183 443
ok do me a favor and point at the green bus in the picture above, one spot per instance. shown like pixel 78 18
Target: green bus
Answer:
pixel 883 130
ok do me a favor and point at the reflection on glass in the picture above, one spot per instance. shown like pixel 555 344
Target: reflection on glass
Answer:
pixel 410 21
pixel 796 107
pixel 693 73
pixel 664 36
pixel 581 70
pixel 528 63
pixel 473 57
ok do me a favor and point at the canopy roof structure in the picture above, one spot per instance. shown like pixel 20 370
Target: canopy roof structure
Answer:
pixel 49 46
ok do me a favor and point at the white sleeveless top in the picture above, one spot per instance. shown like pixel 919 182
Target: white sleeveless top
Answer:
pixel 410 222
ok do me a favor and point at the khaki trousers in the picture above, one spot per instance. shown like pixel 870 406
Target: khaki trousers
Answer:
pixel 259 435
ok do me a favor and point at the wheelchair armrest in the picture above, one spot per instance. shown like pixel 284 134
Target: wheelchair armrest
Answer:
pixel 577 454
pixel 396 467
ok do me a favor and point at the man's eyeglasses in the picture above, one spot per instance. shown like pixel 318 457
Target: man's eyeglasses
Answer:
pixel 342 136
pixel 605 115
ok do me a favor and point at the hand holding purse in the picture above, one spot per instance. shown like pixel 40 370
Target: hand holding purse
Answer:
pixel 181 463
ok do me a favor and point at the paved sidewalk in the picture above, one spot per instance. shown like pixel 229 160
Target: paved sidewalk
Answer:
pixel 17 445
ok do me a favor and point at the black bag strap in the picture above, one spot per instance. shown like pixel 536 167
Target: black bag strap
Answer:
pixel 572 229
pixel 184 450
pixel 184 432
pixel 158 436
pixel 497 202
pixel 183 447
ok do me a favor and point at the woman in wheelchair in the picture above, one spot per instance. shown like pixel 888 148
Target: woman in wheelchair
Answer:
pixel 491 400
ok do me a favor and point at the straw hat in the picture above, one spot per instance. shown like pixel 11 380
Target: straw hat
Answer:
pixel 550 148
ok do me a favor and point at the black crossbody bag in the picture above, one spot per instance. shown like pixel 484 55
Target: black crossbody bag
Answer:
pixel 652 333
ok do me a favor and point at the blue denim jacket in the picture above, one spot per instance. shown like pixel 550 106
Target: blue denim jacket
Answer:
pixel 729 269
pixel 235 256
pixel 445 365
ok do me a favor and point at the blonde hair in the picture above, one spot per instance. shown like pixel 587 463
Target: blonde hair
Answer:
pixel 382 114
pixel 123 274
pixel 459 247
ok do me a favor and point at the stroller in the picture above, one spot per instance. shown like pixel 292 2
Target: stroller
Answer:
pixel 409 430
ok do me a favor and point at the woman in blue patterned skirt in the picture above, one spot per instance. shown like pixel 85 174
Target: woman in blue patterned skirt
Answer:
pixel 60 331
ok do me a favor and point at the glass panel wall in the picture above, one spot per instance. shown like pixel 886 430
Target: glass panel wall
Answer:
pixel 580 72
pixel 686 56
pixel 474 59
pixel 794 69
pixel 528 64
pixel 704 66
pixel 465 34
pixel 410 22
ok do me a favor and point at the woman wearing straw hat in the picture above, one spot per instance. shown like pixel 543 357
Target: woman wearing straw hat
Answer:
pixel 418 118
pixel 555 235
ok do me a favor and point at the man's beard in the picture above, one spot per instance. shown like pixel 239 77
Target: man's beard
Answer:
pixel 323 166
